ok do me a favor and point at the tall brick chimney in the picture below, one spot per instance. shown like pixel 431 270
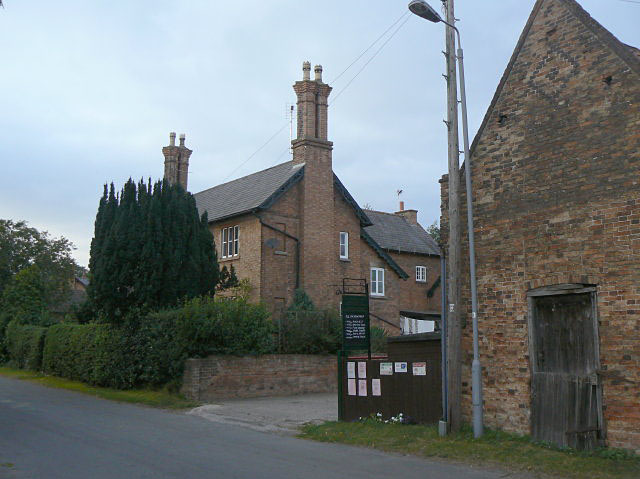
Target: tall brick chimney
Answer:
pixel 176 161
pixel 312 148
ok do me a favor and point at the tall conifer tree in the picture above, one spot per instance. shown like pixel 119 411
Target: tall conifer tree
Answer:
pixel 150 249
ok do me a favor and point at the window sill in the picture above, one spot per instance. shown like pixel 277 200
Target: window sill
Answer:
pixel 345 260
pixel 420 281
pixel 230 258
pixel 375 296
pixel 281 253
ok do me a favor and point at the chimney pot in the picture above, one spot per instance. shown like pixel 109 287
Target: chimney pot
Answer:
pixel 318 71
pixel 172 138
pixel 182 137
pixel 306 70
pixel 402 206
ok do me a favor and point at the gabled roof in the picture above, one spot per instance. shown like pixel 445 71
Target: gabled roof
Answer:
pixel 258 190
pixel 395 233
pixel 626 53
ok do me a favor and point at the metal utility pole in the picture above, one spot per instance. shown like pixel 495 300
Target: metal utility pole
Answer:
pixel 454 326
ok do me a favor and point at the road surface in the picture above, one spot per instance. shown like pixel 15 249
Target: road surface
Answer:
pixel 51 433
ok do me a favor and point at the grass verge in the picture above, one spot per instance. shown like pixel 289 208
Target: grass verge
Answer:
pixel 160 398
pixel 495 448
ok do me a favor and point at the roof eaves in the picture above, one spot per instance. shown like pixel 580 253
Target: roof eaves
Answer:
pixel 364 219
pixel 382 253
pixel 293 179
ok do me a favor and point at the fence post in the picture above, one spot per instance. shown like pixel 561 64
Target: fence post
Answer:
pixel 340 391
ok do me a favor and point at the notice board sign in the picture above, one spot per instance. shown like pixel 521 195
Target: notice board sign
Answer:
pixel 355 322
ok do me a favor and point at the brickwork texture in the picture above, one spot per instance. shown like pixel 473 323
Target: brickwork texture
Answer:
pixel 556 199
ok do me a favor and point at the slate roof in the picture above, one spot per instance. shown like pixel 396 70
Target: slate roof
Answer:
pixel 394 233
pixel 258 190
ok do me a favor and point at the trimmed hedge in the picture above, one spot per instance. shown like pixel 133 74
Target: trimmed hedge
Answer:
pixel 24 345
pixel 152 350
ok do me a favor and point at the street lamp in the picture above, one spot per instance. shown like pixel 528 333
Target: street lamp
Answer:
pixel 424 10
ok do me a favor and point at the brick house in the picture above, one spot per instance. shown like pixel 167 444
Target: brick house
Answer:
pixel 295 225
pixel 556 166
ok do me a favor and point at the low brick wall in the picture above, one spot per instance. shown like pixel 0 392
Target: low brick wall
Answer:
pixel 223 377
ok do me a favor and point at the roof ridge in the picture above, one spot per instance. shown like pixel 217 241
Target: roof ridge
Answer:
pixel 383 212
pixel 245 176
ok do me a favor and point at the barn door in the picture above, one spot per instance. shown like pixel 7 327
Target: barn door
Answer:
pixel 566 405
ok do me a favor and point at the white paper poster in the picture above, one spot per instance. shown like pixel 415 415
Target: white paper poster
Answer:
pixel 362 370
pixel 386 369
pixel 351 387
pixel 362 387
pixel 351 370
pixel 419 369
pixel 401 367
pixel 375 387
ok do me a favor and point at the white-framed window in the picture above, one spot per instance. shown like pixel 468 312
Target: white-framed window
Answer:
pixel 377 282
pixel 421 274
pixel 230 241
pixel 344 245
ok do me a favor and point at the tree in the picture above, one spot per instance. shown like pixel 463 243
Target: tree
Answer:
pixel 22 246
pixel 150 250
pixel 434 231
pixel 228 278
pixel 24 297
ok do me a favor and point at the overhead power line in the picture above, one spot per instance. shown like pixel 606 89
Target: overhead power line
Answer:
pixel 257 151
pixel 335 97
pixel 406 13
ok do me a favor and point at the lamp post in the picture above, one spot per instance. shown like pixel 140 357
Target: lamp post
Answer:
pixel 424 10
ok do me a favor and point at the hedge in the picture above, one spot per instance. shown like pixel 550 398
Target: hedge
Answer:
pixel 24 345
pixel 152 350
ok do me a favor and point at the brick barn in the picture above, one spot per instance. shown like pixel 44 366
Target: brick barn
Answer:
pixel 296 225
pixel 556 171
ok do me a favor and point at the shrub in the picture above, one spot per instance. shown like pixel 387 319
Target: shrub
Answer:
pixel 151 350
pixel 24 345
pixel 309 332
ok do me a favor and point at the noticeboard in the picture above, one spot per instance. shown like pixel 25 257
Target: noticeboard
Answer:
pixel 355 322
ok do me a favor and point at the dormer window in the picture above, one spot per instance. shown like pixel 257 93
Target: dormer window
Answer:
pixel 344 245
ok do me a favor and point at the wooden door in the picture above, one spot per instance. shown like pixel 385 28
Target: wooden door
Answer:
pixel 566 406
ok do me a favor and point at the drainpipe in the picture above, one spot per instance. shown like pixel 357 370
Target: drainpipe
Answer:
pixel 266 225
pixel 443 425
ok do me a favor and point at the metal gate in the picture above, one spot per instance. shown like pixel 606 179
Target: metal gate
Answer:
pixel 566 396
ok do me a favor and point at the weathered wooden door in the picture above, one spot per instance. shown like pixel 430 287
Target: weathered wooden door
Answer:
pixel 566 399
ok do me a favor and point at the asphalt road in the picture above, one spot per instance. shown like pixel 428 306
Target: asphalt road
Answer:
pixel 51 433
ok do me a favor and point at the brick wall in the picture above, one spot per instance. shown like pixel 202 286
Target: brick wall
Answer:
pixel 223 377
pixel 556 200
pixel 247 263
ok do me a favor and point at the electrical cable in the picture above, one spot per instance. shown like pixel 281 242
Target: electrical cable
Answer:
pixel 369 61
pixel 257 151
pixel 369 47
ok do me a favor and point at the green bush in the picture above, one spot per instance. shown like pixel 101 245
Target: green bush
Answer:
pixel 24 345
pixel 151 350
pixel 309 332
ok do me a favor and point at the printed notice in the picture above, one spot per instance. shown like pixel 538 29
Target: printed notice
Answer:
pixel 375 387
pixel 401 367
pixel 419 369
pixel 351 387
pixel 355 327
pixel 386 369
pixel 362 370
pixel 351 370
pixel 362 387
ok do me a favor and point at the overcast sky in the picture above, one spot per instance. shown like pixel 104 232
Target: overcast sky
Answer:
pixel 89 92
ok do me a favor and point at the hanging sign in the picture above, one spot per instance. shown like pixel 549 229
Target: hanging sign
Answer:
pixel 355 321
